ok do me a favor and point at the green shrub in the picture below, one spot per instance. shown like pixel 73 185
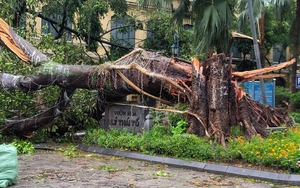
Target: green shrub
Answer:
pixel 282 94
pixel 157 116
pixel 160 130
pixel 41 136
pixel 295 99
pixel 180 128
pixel 279 150
pixel 23 147
pixel 159 140
pixel 174 118
pixel 17 104
pixel 296 116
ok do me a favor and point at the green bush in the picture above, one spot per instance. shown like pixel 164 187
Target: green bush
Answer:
pixel 296 116
pixel 160 130
pixel 279 150
pixel 157 116
pixel 18 105
pixel 282 94
pixel 285 95
pixel 180 128
pixel 174 118
pixel 295 99
pixel 23 147
pixel 159 140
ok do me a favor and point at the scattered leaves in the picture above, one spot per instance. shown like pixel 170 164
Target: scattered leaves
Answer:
pixel 161 173
pixel 108 168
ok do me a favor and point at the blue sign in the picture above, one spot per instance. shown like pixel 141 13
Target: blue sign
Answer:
pixel 254 90
pixel 298 81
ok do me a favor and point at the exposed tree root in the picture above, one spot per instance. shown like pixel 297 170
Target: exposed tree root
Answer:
pixel 256 117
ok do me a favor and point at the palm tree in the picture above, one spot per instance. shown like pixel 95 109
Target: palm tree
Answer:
pixel 213 20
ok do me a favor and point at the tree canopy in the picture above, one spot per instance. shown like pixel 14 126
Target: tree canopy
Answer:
pixel 212 21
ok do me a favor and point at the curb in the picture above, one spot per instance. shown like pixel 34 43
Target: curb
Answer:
pixel 287 179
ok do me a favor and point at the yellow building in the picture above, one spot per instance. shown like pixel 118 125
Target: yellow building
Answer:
pixel 134 38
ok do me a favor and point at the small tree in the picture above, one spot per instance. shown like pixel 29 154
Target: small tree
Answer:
pixel 244 46
pixel 161 28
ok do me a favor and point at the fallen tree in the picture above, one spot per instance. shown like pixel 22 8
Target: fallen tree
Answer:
pixel 209 87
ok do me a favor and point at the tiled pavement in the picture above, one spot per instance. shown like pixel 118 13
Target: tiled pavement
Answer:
pixel 290 179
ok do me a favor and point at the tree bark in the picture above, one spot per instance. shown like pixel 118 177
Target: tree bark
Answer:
pixel 218 95
pixel 199 103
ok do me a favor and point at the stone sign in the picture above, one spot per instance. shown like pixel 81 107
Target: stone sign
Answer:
pixel 128 117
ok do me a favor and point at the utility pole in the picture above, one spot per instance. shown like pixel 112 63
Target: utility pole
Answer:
pixel 256 50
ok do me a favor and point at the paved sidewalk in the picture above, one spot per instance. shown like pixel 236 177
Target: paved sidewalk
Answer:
pixel 290 179
pixel 115 169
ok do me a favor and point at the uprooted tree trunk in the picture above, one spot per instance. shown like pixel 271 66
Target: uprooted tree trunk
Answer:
pixel 209 87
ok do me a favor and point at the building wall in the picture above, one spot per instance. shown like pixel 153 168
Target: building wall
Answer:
pixel 140 35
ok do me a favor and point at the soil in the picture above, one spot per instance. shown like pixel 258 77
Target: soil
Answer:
pixel 68 168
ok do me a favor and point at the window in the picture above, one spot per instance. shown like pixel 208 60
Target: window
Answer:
pixel 279 54
pixel 122 35
pixel 236 53
pixel 150 33
pixel 252 55
pixel 187 26
pixel 48 28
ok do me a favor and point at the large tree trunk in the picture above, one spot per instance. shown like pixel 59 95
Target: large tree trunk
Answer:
pixel 209 87
pixel 218 95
